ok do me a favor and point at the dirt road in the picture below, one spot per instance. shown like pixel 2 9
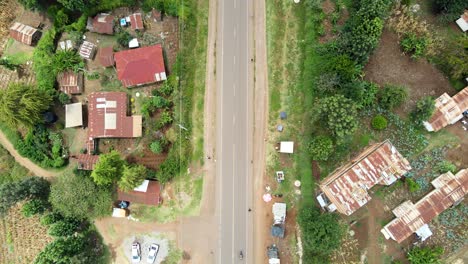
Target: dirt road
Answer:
pixel 25 162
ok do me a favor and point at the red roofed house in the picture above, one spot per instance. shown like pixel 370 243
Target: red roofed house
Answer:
pixel 87 161
pixel 448 110
pixel 105 56
pixel 140 66
pixel 70 82
pixel 149 192
pixel 346 188
pixel 101 23
pixel 414 218
pixel 136 21
pixel 107 116
pixel 24 33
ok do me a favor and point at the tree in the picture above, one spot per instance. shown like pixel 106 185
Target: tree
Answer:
pixel 78 5
pixel 74 196
pixel 455 57
pixel 339 115
pixel 108 169
pixel 66 60
pixel 379 122
pixel 22 104
pixel 446 166
pixel 29 188
pixel 51 218
pixel 425 255
pixel 363 93
pixel 321 233
pixel 31 4
pixel 63 98
pixel 132 177
pixel 123 38
pixel 35 206
pixel 392 96
pixel 320 148
pixel 424 109
pixel 61 19
pixel 8 64
pixel 65 227
pixel 61 250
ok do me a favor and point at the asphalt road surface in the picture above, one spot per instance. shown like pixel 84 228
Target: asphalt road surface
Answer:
pixel 234 133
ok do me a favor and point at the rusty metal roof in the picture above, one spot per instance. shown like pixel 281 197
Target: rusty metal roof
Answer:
pixel 101 23
pixel 449 189
pixel 22 33
pixel 136 21
pixel 107 116
pixel 448 110
pixel 70 82
pixel 87 50
pixel 106 56
pixel 150 197
pixel 87 161
pixel 347 187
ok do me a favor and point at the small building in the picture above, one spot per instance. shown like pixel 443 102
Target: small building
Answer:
pixel 107 116
pixel 280 176
pixel 102 23
pixel 24 34
pixel 70 82
pixel 347 187
pixel 140 66
pixel 87 161
pixel 136 21
pixel 414 218
pixel 286 147
pixel 66 45
pixel 149 193
pixel 87 50
pixel 448 110
pixel 105 55
pixel 462 22
pixel 133 43
pixel 73 115
pixel 279 218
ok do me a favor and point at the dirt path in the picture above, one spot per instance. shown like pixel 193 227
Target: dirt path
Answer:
pixel 373 248
pixel 25 162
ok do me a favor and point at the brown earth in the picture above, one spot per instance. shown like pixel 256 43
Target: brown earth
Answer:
pixel 388 65
pixel 459 154
pixel 328 8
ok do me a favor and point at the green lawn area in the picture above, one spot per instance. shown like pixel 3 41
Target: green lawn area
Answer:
pixel 17 52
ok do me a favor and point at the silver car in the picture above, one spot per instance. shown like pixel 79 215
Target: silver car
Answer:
pixel 153 252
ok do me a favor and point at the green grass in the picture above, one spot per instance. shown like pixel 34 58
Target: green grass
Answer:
pixel 175 254
pixel 15 55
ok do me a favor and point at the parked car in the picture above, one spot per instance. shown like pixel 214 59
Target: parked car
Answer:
pixel 136 252
pixel 153 252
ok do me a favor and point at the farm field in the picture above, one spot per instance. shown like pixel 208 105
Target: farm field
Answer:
pixel 21 238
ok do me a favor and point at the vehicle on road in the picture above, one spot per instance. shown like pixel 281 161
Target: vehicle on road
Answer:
pixel 136 252
pixel 241 255
pixel 153 252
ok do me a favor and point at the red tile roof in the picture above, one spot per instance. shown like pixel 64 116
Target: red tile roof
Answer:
pixel 449 189
pixel 140 66
pixel 136 21
pixel 87 161
pixel 23 33
pixel 150 197
pixel 102 23
pixel 448 110
pixel 107 116
pixel 347 187
pixel 70 82
pixel 106 56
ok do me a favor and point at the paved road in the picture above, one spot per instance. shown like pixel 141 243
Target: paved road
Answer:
pixel 234 133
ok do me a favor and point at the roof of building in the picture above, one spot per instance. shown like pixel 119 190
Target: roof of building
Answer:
pixel 279 212
pixel 140 66
pixel 107 116
pixel 286 147
pixel 22 33
pixel 136 21
pixel 347 186
pixel 410 217
pixel 149 195
pixel 87 161
pixel 462 22
pixel 119 212
pixel 70 82
pixel 87 50
pixel 73 115
pixel 101 23
pixel 105 56
pixel 448 110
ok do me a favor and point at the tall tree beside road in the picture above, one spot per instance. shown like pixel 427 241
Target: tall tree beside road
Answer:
pixel 22 104
pixel 108 169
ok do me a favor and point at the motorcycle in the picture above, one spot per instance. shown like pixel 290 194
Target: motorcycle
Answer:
pixel 241 255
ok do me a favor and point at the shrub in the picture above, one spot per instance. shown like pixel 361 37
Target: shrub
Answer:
pixel 51 218
pixel 424 109
pixel 339 114
pixel 379 122
pixel 123 38
pixel 392 96
pixel 132 176
pixel 425 255
pixel 363 93
pixel 35 206
pixel 65 227
pixel 29 188
pixel 63 98
pixel 413 186
pixel 414 45
pixel 108 169
pixel 320 148
pixel 156 147
pixel 445 166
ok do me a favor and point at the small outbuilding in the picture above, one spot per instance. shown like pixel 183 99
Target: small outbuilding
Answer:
pixel 283 115
pixel 73 115
pixel 462 22
pixel 102 23
pixel 119 212
pixel 105 55
pixel 286 147
pixel 133 43
pixel 147 193
pixel 70 82
pixel 66 45
pixel 136 21
pixel 24 33
pixel 87 50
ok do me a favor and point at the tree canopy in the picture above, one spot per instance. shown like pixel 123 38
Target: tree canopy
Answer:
pixel 425 255
pixel 22 104
pixel 392 96
pixel 29 188
pixel 339 115
pixel 132 176
pixel 320 148
pixel 108 169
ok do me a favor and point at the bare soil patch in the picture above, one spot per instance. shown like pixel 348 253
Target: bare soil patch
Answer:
pixel 459 155
pixel 388 65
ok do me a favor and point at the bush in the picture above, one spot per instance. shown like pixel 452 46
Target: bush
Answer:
pixel 445 166
pixel 157 147
pixel 63 98
pixel 339 115
pixel 392 96
pixel 425 255
pixel 123 38
pixel 43 68
pixel 51 218
pixel 65 227
pixel 413 186
pixel 320 148
pixel 379 122
pixel 414 45
pixel 35 206
pixel 29 188
pixel 424 109
pixel 363 93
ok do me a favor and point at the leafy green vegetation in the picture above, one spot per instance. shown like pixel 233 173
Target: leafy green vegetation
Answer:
pixel 26 189
pixel 392 96
pixel 132 176
pixel 108 169
pixel 414 45
pixel 339 115
pixel 379 122
pixel 320 147
pixel 10 170
pixel 425 255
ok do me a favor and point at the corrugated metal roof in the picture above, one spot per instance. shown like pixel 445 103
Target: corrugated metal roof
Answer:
pixel 87 50
pixel 448 110
pixel 87 161
pixel 140 66
pixel 150 197
pixel 379 164
pixel 23 33
pixel 136 21
pixel 70 82
pixel 106 56
pixel 449 189
pixel 104 106
pixel 102 23
pixel 73 115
